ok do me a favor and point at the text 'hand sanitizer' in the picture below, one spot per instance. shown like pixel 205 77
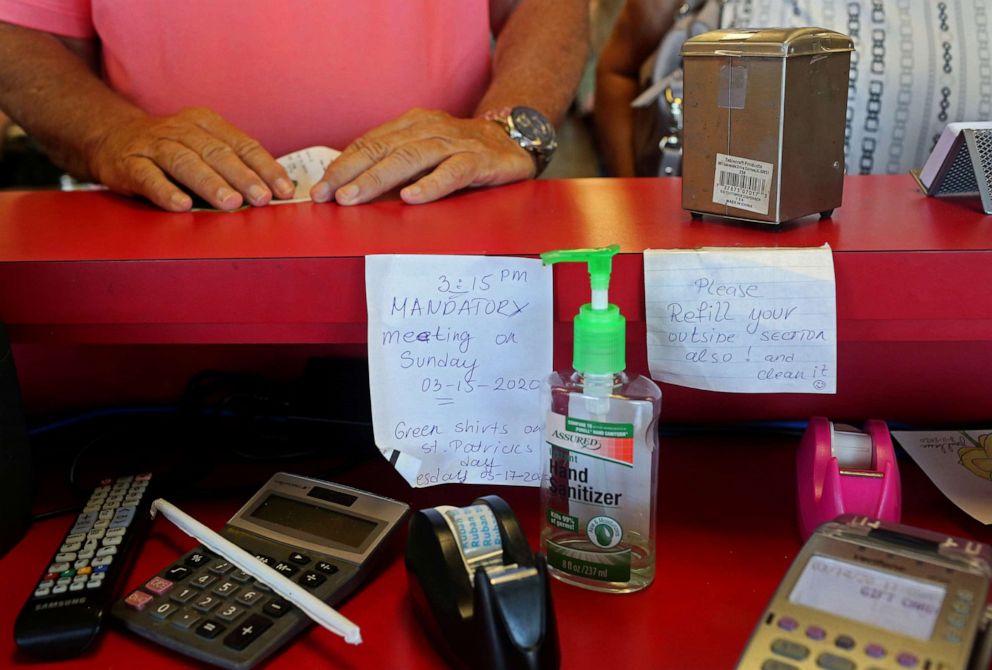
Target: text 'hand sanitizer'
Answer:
pixel 601 450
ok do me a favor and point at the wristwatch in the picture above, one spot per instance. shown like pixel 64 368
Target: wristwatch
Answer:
pixel 531 130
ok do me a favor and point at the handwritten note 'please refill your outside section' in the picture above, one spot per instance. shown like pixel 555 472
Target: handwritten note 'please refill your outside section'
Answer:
pixel 459 348
pixel 742 320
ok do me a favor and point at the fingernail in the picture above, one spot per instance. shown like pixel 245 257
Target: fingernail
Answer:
pixel 321 192
pixel 284 187
pixel 258 195
pixel 347 193
pixel 411 192
pixel 227 198
pixel 181 201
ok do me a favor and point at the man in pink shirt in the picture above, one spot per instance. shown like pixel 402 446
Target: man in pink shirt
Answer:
pixel 149 96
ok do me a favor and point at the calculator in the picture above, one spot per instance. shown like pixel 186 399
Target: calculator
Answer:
pixel 323 536
pixel 865 594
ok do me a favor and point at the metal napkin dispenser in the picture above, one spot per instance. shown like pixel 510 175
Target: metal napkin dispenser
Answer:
pixel 765 111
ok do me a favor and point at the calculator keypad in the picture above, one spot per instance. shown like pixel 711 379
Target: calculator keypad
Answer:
pixel 204 602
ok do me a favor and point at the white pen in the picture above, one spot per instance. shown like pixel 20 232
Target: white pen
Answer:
pixel 312 606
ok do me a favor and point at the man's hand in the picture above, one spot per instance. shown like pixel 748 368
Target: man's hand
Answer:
pixel 195 148
pixel 432 152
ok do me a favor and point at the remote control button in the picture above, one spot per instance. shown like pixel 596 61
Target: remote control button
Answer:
pixel 298 558
pixel 186 619
pixel 113 532
pixel 158 585
pixel 81 563
pixel 42 592
pixel 177 573
pixel 102 561
pixel 61 588
pixel 209 629
pixel 70 546
pixel 75 537
pixel 164 610
pixel 66 557
pixel 326 568
pixel 112 541
pixel 59 567
pixel 142 476
pixel 312 580
pixel 95 535
pixel 185 595
pixel 106 551
pixel 100 569
pixel 101 524
pixel 94 584
pixel 138 600
pixel 225 589
pixel 277 607
pixel 83 569
pixel 105 514
pixel 229 612
pixel 77 586
pixel 246 633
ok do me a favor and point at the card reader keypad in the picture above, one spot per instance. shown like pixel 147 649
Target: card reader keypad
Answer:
pixel 214 611
pixel 792 649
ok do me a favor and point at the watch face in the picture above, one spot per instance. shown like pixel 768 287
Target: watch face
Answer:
pixel 532 125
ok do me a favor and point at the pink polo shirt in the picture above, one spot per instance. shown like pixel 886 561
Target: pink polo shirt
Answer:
pixel 291 74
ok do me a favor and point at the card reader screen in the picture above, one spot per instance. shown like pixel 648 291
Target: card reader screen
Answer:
pixel 320 521
pixel 882 599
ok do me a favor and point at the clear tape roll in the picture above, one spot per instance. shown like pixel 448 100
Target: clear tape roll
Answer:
pixel 477 533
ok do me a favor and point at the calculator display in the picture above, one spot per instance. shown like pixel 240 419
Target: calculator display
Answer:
pixel 329 524
pixel 898 604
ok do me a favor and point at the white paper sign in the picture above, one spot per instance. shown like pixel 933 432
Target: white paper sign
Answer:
pixel 459 348
pixel 742 320
pixel 959 462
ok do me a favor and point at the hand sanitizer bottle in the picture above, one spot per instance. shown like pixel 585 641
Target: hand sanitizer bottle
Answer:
pixel 600 472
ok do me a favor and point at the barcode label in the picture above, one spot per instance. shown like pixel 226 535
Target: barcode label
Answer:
pixel 742 183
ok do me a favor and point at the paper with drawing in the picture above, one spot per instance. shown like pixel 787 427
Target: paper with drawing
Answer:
pixel 744 320
pixel 959 462
pixel 459 348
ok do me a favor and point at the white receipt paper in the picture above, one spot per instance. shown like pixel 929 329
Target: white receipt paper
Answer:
pixel 459 347
pixel 305 168
pixel 742 320
pixel 958 462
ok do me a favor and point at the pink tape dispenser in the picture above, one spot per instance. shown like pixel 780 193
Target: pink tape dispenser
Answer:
pixel 841 469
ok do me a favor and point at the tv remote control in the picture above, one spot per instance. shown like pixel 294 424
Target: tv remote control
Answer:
pixel 76 589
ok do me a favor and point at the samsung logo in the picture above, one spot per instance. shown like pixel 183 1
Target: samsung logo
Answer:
pixel 59 603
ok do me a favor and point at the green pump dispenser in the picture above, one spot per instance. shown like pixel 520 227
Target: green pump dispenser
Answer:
pixel 600 329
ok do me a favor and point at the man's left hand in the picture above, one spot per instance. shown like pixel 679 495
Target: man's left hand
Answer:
pixel 432 152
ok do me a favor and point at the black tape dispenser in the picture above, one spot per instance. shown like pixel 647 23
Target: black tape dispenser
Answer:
pixel 481 593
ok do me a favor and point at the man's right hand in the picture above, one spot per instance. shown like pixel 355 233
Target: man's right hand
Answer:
pixel 195 148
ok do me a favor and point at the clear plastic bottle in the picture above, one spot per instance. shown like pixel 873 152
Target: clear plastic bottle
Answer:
pixel 600 464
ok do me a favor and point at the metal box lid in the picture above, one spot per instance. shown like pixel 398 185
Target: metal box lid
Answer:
pixel 767 43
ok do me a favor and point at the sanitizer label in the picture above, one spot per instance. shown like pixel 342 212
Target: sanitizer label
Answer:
pixel 608 441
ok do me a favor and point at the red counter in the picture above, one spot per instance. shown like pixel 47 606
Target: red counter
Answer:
pixel 82 270
pixel 108 300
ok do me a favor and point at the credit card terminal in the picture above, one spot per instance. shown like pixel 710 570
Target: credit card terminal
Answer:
pixel 324 536
pixel 868 594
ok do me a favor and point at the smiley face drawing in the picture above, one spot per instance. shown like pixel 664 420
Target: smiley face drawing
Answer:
pixel 978 458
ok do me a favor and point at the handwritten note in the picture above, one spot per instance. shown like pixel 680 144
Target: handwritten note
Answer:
pixel 959 462
pixel 742 320
pixel 459 348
